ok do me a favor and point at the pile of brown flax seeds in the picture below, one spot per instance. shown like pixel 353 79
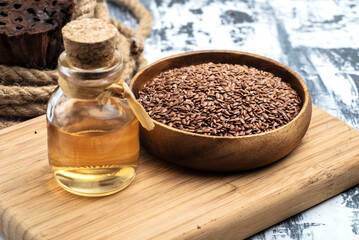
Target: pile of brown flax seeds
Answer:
pixel 220 100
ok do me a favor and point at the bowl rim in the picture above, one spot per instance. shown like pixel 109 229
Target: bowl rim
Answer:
pixel 305 103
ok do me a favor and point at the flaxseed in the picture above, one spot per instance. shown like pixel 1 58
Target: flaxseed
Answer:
pixel 220 100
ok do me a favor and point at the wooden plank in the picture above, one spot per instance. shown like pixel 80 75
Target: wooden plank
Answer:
pixel 168 202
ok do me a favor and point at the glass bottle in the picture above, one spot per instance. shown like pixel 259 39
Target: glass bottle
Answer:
pixel 93 148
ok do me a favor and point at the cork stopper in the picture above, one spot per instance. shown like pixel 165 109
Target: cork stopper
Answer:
pixel 89 43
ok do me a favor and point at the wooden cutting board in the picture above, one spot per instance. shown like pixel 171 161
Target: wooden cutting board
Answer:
pixel 167 202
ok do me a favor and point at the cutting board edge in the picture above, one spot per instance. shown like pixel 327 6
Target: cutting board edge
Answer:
pixel 13 229
pixel 276 201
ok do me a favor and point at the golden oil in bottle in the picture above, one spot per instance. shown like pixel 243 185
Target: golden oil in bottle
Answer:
pixel 94 162
pixel 93 133
pixel 92 157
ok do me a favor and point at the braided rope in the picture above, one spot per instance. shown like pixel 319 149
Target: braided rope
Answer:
pixel 26 77
pixel 101 10
pixel 28 110
pixel 7 123
pixel 24 92
pixel 141 13
pixel 9 95
pixel 84 9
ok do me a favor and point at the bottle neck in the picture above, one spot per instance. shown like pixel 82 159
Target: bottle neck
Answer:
pixel 92 78
pixel 100 84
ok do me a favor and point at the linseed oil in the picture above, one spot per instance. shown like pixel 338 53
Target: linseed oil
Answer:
pixel 93 132
pixel 95 161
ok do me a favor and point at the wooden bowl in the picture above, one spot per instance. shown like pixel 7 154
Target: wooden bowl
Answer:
pixel 213 153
